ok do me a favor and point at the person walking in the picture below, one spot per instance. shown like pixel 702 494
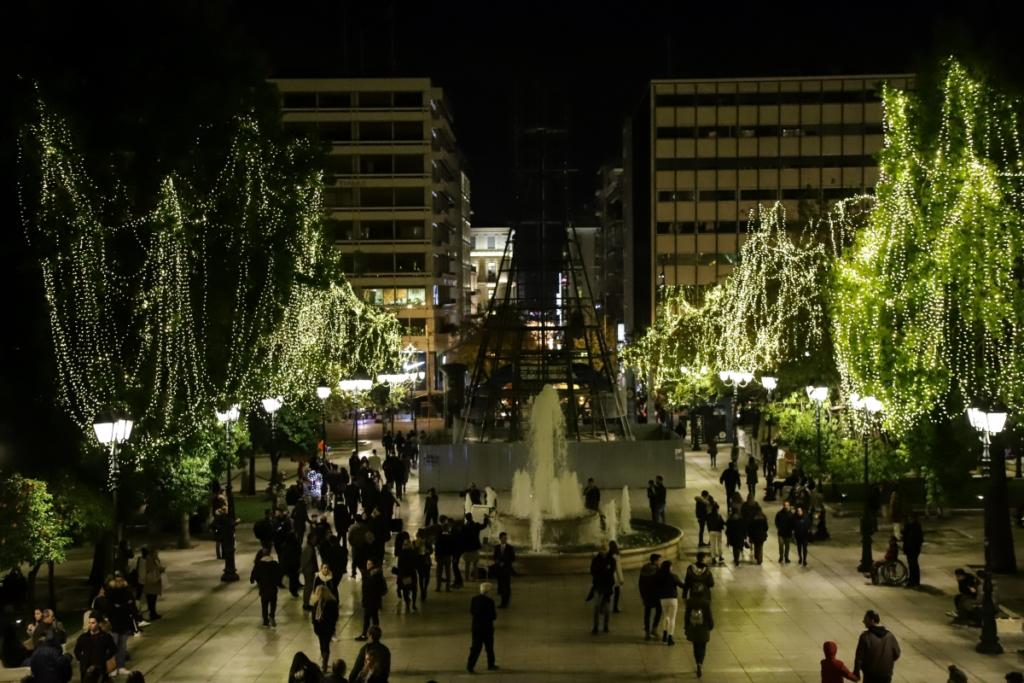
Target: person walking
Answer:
pixel 308 566
pixel 443 549
pixel 697 626
pixel 374 588
pixel 471 544
pixel 801 534
pixel 716 525
pixel 289 555
pixel 484 614
pixel 154 584
pixel 325 620
pixel 266 574
pixel 94 650
pixel 877 651
pixel 668 593
pixel 602 574
pixel 379 652
pixel 702 508
pixel 504 558
pixel 833 670
pixel 736 535
pixel 752 475
pixel 698 583
pixel 648 585
pixel 358 540
pixel 713 454
pixel 423 553
pixel 913 540
pixel 757 531
pixel 263 529
pixel 730 479
pixel 405 572
pixel 784 525
pixel 613 552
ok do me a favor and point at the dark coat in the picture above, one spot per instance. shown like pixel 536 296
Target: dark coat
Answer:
pixel 49 665
pixel 602 572
pixel 735 530
pixel 266 573
pixel 802 528
pixel 121 609
pixel 715 521
pixel 913 538
pixel 730 478
pixel 325 618
pixel 648 583
pixel 785 521
pixel 877 652
pixel 484 612
pixel 701 509
pixel 374 588
pixel 758 529
pixel 698 623
pixel 698 583
pixel 381 654
pixel 503 560
pixel 667 584
pixel 94 649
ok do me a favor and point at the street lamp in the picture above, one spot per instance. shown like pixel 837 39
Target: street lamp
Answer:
pixel 112 431
pixel 355 386
pixel 871 407
pixel 988 423
pixel 818 394
pixel 271 405
pixel 735 379
pixel 228 418
pixel 769 463
pixel 323 392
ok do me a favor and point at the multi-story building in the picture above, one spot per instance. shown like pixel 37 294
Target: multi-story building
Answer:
pixel 609 256
pixel 701 154
pixel 396 199
pixel 488 248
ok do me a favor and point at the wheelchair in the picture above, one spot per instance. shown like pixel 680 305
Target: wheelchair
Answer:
pixel 893 573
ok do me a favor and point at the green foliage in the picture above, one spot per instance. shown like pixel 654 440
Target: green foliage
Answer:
pixel 30 529
pixel 299 421
pixel 84 511
pixel 928 305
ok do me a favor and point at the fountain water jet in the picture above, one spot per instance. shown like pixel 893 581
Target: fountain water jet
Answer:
pixel 626 509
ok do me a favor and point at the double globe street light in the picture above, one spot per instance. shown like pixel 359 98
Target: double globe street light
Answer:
pixel 355 386
pixel 113 431
pixel 323 392
pixel 870 406
pixel 735 379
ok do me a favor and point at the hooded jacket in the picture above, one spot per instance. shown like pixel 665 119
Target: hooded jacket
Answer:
pixel 266 573
pixel 833 670
pixel 647 583
pixel 877 652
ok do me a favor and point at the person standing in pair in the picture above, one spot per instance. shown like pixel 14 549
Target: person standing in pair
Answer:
pixel 657 495
pixel 801 534
pixel 504 557
pixel 648 585
pixel 481 607
pixel 784 524
pixel 736 535
pixel 913 540
pixel 668 592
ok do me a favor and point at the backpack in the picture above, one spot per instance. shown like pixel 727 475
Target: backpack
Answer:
pixel 697 617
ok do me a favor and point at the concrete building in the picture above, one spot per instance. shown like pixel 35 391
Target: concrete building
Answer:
pixel 488 247
pixel 397 201
pixel 700 154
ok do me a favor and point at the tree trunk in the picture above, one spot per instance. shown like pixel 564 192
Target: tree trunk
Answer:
pixel 102 559
pixel 51 586
pixel 250 482
pixel 184 539
pixel 275 458
pixel 31 580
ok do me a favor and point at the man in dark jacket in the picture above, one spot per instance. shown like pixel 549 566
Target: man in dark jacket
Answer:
pixel 291 561
pixel 703 507
pixel 730 478
pixel 735 535
pixel 913 540
pixel 877 651
pixel 48 664
pixel 266 574
pixel 374 589
pixel 381 655
pixel 504 557
pixel 93 649
pixel 443 549
pixel 649 594
pixel 481 607
pixel 592 496
pixel 602 574
pixel 656 497
pixel 784 523
pixel 121 615
pixel 471 544
pixel 264 529
pixel 757 530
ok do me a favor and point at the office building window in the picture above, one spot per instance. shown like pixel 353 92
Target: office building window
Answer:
pixel 396 296
pixel 406 100
pixel 335 100
pixel 374 100
pixel 490 241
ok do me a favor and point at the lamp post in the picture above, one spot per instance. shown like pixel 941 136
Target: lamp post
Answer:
pixel 735 379
pixel 871 406
pixel 769 383
pixel 271 405
pixel 228 418
pixel 355 386
pixel 818 394
pixel 112 431
pixel 988 423
pixel 323 392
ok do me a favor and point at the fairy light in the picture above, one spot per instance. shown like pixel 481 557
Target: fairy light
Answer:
pixel 928 302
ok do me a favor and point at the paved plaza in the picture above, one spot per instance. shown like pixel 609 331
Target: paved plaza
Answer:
pixel 770 621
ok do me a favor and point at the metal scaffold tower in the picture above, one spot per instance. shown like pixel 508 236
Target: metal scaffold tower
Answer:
pixel 541 326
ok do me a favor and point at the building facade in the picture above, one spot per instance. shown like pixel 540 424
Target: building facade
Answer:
pixel 488 247
pixel 700 155
pixel 610 247
pixel 396 200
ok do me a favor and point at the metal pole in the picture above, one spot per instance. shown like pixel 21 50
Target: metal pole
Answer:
pixel 118 529
pixel 867 522
pixel 989 642
pixel 817 419
pixel 228 542
pixel 323 417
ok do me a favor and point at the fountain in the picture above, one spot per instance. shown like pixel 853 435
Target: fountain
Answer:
pixel 547 504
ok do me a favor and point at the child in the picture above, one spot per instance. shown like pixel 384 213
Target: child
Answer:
pixel 833 670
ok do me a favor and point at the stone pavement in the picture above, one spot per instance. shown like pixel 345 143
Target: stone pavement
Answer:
pixel 770 620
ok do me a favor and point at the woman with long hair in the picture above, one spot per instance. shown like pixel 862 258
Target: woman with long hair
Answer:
pixel 325 619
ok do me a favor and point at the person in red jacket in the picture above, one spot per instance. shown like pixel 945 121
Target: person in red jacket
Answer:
pixel 833 670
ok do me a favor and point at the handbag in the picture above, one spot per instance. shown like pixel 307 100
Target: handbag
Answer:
pixel 112 664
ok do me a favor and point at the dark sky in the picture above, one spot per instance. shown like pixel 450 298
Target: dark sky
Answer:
pixel 588 61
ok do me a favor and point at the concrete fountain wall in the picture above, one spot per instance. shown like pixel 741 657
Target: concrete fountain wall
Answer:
pixel 451 467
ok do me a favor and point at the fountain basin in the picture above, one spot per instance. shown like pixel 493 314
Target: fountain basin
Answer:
pixel 664 539
pixel 567 531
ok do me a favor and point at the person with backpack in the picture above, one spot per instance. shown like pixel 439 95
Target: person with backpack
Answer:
pixel 716 525
pixel 698 582
pixel 697 626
